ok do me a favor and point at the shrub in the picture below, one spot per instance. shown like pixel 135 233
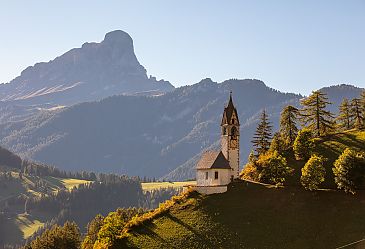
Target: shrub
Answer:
pixel 313 173
pixel 349 171
pixel 269 168
pixel 303 145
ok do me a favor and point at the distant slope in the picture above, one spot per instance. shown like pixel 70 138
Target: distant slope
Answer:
pixel 256 216
pixel 138 135
pixel 92 72
pixel 159 136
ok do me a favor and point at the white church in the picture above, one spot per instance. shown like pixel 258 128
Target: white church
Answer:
pixel 216 169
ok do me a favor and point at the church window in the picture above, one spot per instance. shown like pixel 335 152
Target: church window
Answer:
pixel 216 175
pixel 206 175
pixel 224 131
pixel 233 131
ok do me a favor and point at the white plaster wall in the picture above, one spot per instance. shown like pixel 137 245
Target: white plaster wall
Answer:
pixel 210 190
pixel 234 162
pixel 224 177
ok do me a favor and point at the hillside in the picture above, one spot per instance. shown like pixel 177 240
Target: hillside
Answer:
pixel 139 135
pixel 252 215
pixel 15 224
pixel 330 147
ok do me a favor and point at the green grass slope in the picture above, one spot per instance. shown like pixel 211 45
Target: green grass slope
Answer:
pixel 252 215
pixel 17 225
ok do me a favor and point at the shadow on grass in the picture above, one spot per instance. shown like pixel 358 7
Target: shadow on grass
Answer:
pixel 198 234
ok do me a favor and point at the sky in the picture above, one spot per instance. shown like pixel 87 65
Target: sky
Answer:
pixel 293 46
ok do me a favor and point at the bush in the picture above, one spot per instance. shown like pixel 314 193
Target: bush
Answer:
pixel 269 168
pixel 313 173
pixel 349 171
pixel 303 145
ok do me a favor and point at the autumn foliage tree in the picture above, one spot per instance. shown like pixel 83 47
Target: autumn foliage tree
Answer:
pixel 303 144
pixel 269 167
pixel 313 173
pixel 349 171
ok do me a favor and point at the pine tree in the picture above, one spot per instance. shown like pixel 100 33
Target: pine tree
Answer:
pixel 314 113
pixel 344 117
pixel 263 135
pixel 356 112
pixel 288 121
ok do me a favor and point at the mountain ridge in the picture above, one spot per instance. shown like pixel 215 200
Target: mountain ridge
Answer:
pixel 91 72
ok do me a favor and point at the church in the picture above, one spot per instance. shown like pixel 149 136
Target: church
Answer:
pixel 216 169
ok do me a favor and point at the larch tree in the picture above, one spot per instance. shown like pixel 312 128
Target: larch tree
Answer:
pixel 263 134
pixel 344 118
pixel 314 114
pixel 288 124
pixel 357 113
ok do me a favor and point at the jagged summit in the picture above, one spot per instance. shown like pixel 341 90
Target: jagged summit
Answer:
pixel 118 36
pixel 94 71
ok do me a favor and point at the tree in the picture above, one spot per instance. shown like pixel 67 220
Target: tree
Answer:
pixel 362 102
pixel 313 173
pixel 93 229
pixel 314 114
pixel 357 113
pixel 288 124
pixel 58 237
pixel 303 144
pixel 349 171
pixel 270 168
pixel 262 136
pixel 278 143
pixel 344 118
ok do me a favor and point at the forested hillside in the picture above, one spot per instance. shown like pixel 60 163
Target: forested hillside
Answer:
pixel 34 197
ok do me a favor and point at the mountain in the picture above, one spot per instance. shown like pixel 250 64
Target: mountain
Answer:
pixel 141 135
pixel 92 72
pixel 155 136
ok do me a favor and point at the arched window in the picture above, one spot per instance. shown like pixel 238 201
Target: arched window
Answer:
pixel 224 131
pixel 233 131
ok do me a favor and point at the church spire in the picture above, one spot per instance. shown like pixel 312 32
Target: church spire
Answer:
pixel 229 111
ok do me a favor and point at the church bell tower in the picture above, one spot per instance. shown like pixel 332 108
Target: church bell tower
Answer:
pixel 230 138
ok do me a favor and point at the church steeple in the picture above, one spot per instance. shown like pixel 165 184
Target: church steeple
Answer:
pixel 230 137
pixel 230 115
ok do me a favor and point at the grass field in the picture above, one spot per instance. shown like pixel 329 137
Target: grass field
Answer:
pixel 158 185
pixel 252 215
pixel 19 226
pixel 28 225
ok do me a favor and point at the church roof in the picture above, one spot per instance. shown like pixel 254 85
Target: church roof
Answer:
pixel 228 112
pixel 213 160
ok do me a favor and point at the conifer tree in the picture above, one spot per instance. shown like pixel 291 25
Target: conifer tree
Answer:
pixel 356 112
pixel 288 124
pixel 263 135
pixel 344 118
pixel 314 113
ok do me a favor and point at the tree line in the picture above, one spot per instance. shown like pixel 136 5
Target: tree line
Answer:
pixel 300 129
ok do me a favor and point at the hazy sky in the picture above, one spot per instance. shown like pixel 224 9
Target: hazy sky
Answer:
pixel 294 46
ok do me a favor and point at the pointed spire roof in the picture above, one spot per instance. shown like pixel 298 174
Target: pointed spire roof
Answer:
pixel 228 112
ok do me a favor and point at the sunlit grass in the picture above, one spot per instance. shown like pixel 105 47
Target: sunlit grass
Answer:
pixel 147 186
